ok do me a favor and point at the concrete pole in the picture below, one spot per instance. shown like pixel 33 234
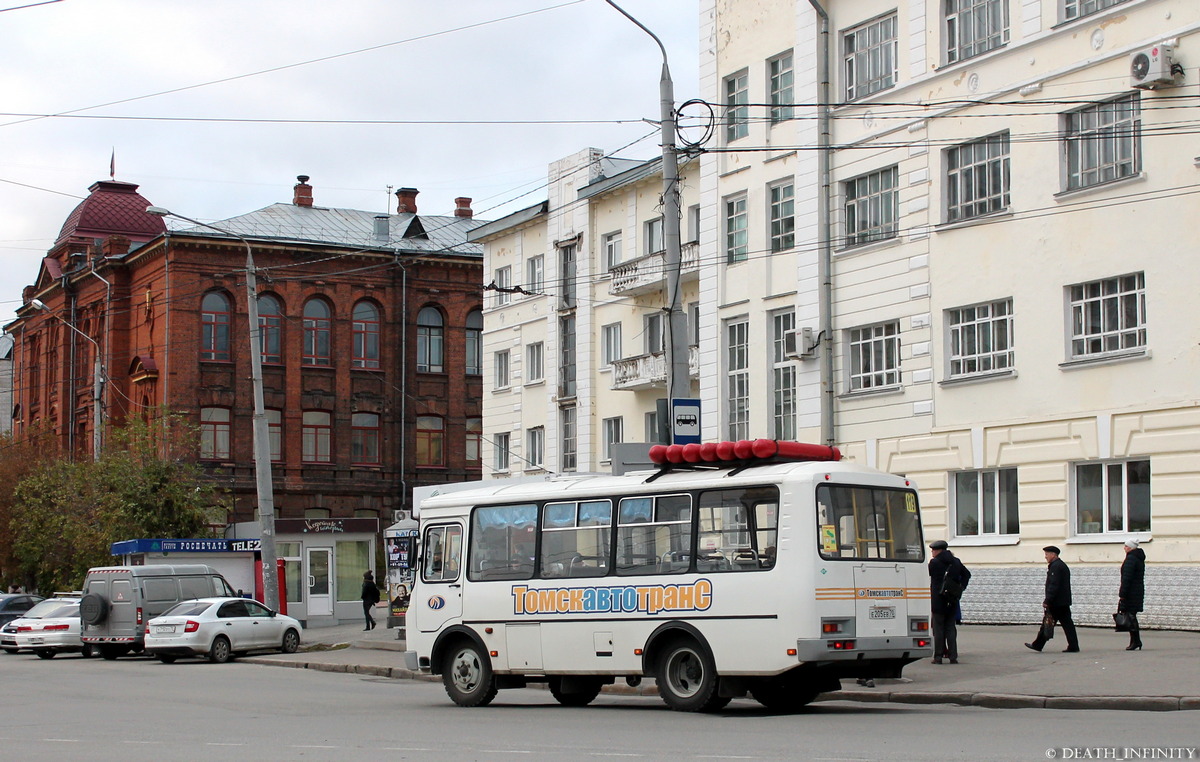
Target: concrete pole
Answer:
pixel 97 409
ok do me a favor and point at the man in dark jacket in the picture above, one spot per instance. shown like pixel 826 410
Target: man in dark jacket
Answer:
pixel 947 579
pixel 1133 590
pixel 1058 601
pixel 370 596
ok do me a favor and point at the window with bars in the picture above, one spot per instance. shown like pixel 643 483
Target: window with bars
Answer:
pixel 1112 497
pixel 1108 315
pixel 737 109
pixel 737 234
pixel 366 336
pixel 779 73
pixel 431 441
pixel 783 216
pixel 874 357
pixel 974 27
pixel 270 328
pixel 364 439
pixel 869 57
pixel 737 379
pixel 214 327
pixel 981 338
pixel 872 206
pixel 985 502
pixel 431 337
pixel 318 332
pixel 316 436
pixel 977 178
pixel 1103 142
pixel 783 377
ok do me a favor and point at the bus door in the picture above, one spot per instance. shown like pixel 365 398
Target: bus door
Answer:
pixel 441 577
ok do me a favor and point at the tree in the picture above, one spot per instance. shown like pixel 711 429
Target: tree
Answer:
pixel 18 459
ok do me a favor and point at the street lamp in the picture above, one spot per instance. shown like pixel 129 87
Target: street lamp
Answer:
pixel 262 443
pixel 97 379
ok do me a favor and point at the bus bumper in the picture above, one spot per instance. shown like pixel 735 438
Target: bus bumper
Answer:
pixel 863 649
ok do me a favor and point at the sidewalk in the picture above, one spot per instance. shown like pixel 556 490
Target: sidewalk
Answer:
pixel 994 669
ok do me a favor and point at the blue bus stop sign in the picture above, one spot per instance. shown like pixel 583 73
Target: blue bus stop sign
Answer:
pixel 685 421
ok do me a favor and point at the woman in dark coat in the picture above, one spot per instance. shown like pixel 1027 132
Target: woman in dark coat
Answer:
pixel 370 596
pixel 1133 590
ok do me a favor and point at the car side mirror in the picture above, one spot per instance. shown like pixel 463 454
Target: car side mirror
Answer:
pixel 273 614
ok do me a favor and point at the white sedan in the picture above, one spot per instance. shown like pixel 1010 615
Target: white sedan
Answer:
pixel 49 628
pixel 220 628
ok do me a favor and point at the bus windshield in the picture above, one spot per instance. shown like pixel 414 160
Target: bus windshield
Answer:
pixel 855 522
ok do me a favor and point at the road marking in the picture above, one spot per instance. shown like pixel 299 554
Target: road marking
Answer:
pixel 506 751
pixel 61 740
pixel 218 743
pixel 310 746
pixel 405 748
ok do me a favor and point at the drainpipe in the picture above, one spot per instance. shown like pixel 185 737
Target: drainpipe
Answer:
pixel 71 375
pixel 404 491
pixel 824 235
pixel 98 434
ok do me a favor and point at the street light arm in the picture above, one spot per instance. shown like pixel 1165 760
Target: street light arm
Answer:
pixel 39 304
pixel 643 28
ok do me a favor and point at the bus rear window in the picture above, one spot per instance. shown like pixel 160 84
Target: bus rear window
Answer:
pixel 854 523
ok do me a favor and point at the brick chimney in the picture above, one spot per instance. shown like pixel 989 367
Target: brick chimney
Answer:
pixel 407 198
pixel 115 246
pixel 462 207
pixel 302 192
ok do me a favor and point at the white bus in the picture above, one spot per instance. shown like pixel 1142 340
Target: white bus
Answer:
pixel 752 567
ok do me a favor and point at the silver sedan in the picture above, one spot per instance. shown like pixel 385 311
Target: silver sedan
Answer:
pixel 220 628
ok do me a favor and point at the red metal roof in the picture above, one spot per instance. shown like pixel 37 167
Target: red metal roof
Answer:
pixel 112 207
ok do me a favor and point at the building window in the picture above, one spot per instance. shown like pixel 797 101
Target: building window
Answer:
pixel 872 207
pixel 270 329
pixel 431 346
pixel 694 324
pixel 612 250
pixel 737 109
pixel 737 240
pixel 1108 315
pixel 610 348
pixel 474 443
pixel 316 437
pixel 614 432
pixel 1103 142
pixel 654 334
pixel 431 440
pixel 566 356
pixel 875 356
pixel 783 217
pixel 364 439
pixel 1073 9
pixel 214 327
pixel 474 343
pixel 779 72
pixel 366 336
pixel 535 446
pixel 1112 497
pixel 502 378
pixel 653 432
pixel 535 366
pixel 737 378
pixel 974 27
pixel 654 236
pixel 566 262
pixel 977 181
pixel 535 275
pixel 317 331
pixel 501 451
pixel 981 338
pixel 985 502
pixel 869 56
pixel 783 376
pixel 214 433
pixel 275 434
pixel 693 223
pixel 566 422
pixel 503 285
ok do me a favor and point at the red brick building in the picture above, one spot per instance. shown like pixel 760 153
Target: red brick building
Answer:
pixel 371 338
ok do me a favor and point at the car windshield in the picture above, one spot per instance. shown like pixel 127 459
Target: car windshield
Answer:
pixel 188 608
pixel 53 610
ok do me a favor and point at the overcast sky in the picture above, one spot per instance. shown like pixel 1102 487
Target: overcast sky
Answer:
pixel 432 60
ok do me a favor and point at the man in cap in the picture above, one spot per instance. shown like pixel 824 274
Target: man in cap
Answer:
pixel 947 580
pixel 1057 602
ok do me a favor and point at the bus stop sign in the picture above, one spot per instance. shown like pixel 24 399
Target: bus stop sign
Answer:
pixel 685 421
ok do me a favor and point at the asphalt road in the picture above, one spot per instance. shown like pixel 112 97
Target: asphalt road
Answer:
pixel 71 708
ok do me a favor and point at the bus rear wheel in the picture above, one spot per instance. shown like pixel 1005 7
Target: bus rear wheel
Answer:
pixel 581 691
pixel 687 678
pixel 467 675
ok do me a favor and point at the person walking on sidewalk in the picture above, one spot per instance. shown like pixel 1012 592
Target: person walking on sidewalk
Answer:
pixel 947 580
pixel 1057 602
pixel 1133 590
pixel 370 596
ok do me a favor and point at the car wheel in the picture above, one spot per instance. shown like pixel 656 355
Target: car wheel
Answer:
pixel 10 650
pixel 221 651
pixel 687 678
pixel 467 675
pixel 586 690
pixel 88 651
pixel 45 653
pixel 167 658
pixel 291 642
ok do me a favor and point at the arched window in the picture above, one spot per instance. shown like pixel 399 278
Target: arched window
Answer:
pixel 214 327
pixel 430 341
pixel 317 329
pixel 364 439
pixel 366 336
pixel 431 439
pixel 270 327
pixel 475 343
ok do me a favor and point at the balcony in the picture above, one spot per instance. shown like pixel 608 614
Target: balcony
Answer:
pixel 649 371
pixel 648 272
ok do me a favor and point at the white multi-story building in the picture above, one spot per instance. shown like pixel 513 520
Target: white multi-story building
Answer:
pixel 1002 195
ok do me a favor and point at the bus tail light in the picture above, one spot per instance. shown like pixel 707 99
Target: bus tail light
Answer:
pixel 921 642
pixel 920 625
pixel 841 645
pixel 831 628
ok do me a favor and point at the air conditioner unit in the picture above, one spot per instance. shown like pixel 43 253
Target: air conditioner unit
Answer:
pixel 398 516
pixel 798 344
pixel 1151 68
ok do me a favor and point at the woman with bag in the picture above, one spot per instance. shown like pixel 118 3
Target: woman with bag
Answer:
pixel 1133 590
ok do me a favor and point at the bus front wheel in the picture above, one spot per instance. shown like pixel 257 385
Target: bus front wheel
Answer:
pixel 687 678
pixel 467 675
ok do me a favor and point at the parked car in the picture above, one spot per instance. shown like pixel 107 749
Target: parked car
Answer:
pixel 14 606
pixel 220 628
pixel 48 629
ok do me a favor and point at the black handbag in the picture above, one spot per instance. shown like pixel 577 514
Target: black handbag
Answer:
pixel 1122 621
pixel 1047 626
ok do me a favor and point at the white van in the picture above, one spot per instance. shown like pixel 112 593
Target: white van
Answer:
pixel 119 600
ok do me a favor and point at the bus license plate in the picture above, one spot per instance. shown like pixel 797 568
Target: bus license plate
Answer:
pixel 883 612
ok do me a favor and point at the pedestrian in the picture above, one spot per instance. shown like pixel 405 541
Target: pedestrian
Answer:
pixel 948 579
pixel 370 596
pixel 1133 590
pixel 1057 603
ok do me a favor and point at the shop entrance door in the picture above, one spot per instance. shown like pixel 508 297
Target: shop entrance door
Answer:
pixel 320 591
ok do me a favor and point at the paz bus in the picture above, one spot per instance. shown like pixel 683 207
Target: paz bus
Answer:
pixel 766 568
